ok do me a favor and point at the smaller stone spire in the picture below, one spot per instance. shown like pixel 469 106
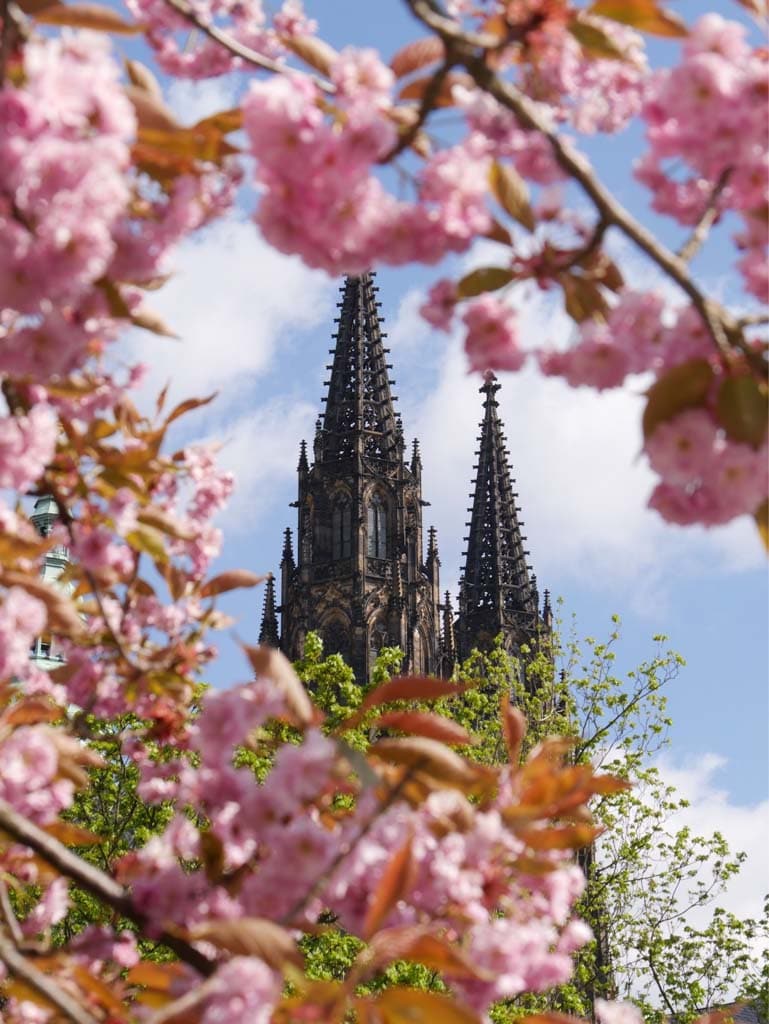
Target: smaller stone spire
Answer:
pixel 416 459
pixel 288 552
pixel 433 559
pixel 268 631
pixel 547 612
pixel 303 466
pixel 448 637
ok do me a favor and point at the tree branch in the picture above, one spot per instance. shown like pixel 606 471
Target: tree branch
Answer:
pixel 41 983
pixel 237 49
pixel 706 221
pixel 429 97
pixel 466 52
pixel 97 882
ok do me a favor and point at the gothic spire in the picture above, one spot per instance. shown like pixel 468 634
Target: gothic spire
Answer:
pixel 268 631
pixel 359 418
pixel 497 592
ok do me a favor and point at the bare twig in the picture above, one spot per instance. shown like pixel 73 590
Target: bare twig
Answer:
pixel 706 221
pixel 237 49
pixel 473 59
pixel 753 320
pixel 9 918
pixel 41 983
pixel 429 97
pixel 97 882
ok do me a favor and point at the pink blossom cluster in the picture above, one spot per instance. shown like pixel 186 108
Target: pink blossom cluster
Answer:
pixel 492 335
pixel 705 477
pixel 502 134
pixel 31 782
pixel 594 94
pixel 465 883
pixel 515 926
pixel 27 444
pixel 22 618
pixel 320 198
pixel 640 333
pixel 178 54
pixel 64 154
pixel 708 114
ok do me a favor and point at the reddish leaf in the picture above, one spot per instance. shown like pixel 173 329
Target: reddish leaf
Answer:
pixel 90 16
pixel 251 936
pixel 513 728
pixel 313 51
pixel 150 110
pixel 582 298
pixel 644 15
pixel 395 883
pixel 684 387
pixel 413 1006
pixel 161 977
pixel 425 723
pixel 762 522
pixel 566 837
pixel 415 89
pixel 225 121
pixel 417 943
pixel 412 688
pixel 187 406
pixel 72 835
pixel 512 193
pixel 141 76
pixel 266 661
pixel 417 54
pixel 594 39
pixel 150 321
pixel 232 580
pixel 433 759
pixel 31 711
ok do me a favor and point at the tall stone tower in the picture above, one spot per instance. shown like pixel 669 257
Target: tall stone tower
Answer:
pixel 358 576
pixel 497 590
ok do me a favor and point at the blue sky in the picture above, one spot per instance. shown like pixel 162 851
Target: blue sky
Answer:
pixel 256 326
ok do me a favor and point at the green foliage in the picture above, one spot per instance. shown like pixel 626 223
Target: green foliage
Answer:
pixel 112 809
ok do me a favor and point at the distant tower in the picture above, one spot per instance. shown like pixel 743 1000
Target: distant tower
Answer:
pixel 497 590
pixel 44 517
pixel 358 577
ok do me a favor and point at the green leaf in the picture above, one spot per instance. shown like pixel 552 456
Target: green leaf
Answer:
pixel 485 279
pixel 512 193
pixel 684 387
pixel 743 410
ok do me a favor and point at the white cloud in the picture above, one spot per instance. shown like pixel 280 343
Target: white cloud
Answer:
pixel 744 826
pixel 192 101
pixel 261 448
pixel 233 301
pixel 576 455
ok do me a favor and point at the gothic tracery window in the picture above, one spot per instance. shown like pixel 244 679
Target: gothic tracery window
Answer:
pixel 341 527
pixel 377 528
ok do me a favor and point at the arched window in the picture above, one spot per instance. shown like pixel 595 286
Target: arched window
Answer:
pixel 335 634
pixel 341 530
pixel 377 528
pixel 377 639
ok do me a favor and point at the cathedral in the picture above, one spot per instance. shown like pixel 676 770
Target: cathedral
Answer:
pixel 361 574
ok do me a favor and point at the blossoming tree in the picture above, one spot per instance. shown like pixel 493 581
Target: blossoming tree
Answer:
pixel 421 852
